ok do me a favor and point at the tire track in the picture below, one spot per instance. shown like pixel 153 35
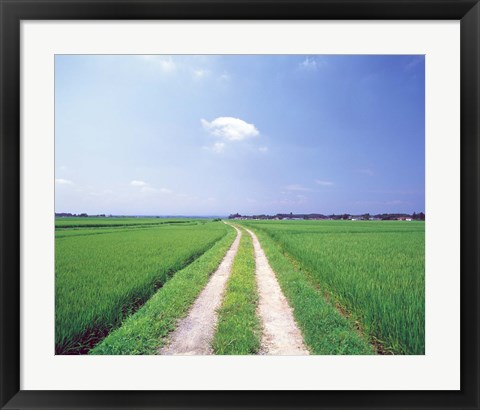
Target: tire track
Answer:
pixel 281 335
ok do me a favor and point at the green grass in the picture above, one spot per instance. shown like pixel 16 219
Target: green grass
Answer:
pixel 324 329
pixel 373 270
pixel 101 279
pixel 144 332
pixel 238 330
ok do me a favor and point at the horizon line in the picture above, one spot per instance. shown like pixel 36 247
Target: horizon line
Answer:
pixel 237 213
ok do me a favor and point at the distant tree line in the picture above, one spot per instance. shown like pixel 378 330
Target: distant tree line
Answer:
pixel 82 215
pixel 366 217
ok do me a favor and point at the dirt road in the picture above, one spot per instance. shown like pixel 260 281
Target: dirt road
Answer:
pixel 195 332
pixel 281 335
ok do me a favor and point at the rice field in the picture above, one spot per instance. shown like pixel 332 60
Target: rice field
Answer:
pixel 98 222
pixel 103 275
pixel 146 330
pixel 371 271
pixel 355 287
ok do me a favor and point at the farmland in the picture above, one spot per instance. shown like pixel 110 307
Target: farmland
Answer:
pixel 145 331
pixel 123 284
pixel 372 272
pixel 99 222
pixel 105 273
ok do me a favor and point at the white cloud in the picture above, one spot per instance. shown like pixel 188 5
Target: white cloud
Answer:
pixel 199 73
pixel 138 183
pixel 297 187
pixel 224 77
pixel 61 181
pixel 263 149
pixel 166 64
pixel 147 189
pixel 219 147
pixel 324 183
pixel 311 64
pixel 230 129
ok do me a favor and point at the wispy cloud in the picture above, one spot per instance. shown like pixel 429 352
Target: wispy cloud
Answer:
pixel 397 191
pixel 366 171
pixel 138 183
pixel 263 149
pixel 147 189
pixel 383 203
pixel 414 61
pixel 311 64
pixel 200 73
pixel 61 181
pixel 230 129
pixel 298 200
pixel 218 147
pixel 297 187
pixel 165 63
pixel 323 183
pixel 224 77
pixel 395 202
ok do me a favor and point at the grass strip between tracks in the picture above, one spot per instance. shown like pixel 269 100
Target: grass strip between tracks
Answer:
pixel 238 330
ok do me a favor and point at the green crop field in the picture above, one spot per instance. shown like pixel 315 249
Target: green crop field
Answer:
pixel 105 273
pixel 373 272
pixel 145 331
pixel 355 287
pixel 98 222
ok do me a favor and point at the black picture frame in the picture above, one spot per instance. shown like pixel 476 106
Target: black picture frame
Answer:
pixel 13 11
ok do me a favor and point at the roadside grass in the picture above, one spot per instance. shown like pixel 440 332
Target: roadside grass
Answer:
pixel 145 331
pixel 102 279
pixel 324 329
pixel 238 330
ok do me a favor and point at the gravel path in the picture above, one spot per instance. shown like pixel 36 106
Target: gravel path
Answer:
pixel 194 333
pixel 281 335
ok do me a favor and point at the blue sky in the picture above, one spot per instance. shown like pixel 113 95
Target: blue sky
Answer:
pixel 214 135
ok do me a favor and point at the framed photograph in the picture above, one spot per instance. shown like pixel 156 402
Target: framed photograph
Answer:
pixel 239 205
